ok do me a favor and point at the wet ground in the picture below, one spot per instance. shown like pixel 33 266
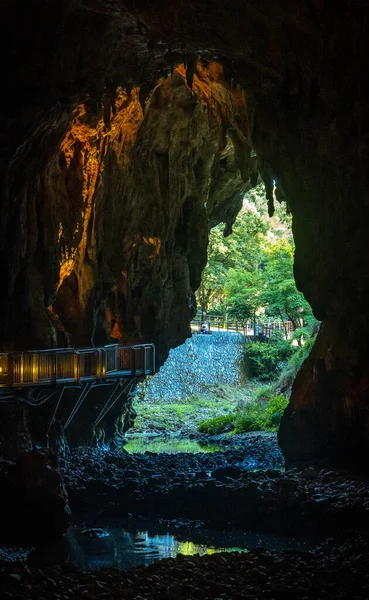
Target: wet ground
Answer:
pixel 231 524
pixel 337 569
pixel 140 542
pixel 169 445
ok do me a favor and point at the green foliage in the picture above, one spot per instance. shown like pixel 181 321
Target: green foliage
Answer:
pixel 250 418
pixel 240 311
pixel 301 354
pixel 274 410
pixel 265 393
pixel 217 425
pixel 260 415
pixel 262 360
pixel 283 347
pixel 290 370
pixel 244 291
pixel 242 249
pixel 280 294
pixel 250 272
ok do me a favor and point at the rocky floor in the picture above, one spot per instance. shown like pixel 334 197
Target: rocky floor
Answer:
pixel 244 486
pixel 334 570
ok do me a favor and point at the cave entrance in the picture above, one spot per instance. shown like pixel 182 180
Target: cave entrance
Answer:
pixel 235 375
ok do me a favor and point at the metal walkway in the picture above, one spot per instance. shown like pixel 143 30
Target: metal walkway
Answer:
pixel 36 376
pixel 64 366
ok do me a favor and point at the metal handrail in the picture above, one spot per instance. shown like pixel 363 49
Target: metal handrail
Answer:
pixel 74 365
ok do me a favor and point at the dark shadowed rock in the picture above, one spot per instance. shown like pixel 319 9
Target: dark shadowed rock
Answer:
pixel 34 506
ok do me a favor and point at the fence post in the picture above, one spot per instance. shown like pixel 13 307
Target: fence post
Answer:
pixel 133 360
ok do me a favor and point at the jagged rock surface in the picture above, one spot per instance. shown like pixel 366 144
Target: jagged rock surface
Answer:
pixel 119 242
pixel 34 504
pixel 86 198
pixel 201 362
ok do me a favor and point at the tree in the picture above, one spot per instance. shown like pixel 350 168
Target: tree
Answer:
pixel 243 291
pixel 210 293
pixel 239 250
pixel 280 295
pixel 251 271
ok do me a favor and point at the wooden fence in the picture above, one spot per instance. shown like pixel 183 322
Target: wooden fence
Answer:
pixel 249 329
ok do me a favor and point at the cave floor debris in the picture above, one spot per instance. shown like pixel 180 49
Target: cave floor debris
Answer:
pixel 336 569
pixel 226 491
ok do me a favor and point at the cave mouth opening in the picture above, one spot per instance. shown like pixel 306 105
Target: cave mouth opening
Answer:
pixel 306 114
pixel 259 329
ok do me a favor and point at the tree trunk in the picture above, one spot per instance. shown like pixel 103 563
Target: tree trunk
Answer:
pixel 284 325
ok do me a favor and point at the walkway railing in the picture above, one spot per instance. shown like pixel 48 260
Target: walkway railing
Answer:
pixel 249 328
pixel 75 365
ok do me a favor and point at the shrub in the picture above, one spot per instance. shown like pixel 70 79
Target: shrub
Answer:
pixel 262 360
pixel 264 393
pixel 283 347
pixel 260 415
pixel 290 370
pixel 302 353
pixel 217 425
pixel 249 418
pixel 274 411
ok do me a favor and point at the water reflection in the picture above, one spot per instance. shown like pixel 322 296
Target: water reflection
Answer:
pixel 170 445
pixel 124 548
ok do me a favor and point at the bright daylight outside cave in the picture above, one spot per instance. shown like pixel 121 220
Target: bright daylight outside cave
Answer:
pixel 184 379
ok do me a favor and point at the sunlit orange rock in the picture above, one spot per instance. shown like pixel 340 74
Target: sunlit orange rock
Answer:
pixel 141 189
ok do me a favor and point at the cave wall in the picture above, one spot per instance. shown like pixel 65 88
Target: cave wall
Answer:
pixel 150 175
pixel 117 224
pixel 109 154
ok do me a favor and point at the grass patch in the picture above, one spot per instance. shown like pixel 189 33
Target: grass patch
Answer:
pixel 254 406
pixel 186 414
pixel 262 413
pixel 217 425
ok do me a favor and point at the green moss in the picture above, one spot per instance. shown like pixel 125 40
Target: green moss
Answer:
pixel 168 445
pixel 222 409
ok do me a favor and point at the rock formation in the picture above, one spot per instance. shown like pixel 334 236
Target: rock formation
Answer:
pixel 128 132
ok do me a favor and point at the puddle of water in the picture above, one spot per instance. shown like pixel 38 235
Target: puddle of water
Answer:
pixel 124 548
pixel 169 445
